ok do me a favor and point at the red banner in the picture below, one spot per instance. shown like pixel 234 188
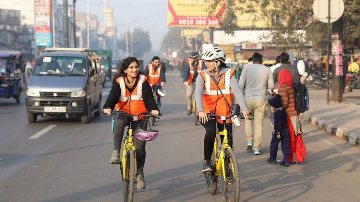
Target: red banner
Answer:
pixel 42 11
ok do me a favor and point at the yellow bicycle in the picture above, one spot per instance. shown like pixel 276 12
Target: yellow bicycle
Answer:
pixel 128 157
pixel 224 162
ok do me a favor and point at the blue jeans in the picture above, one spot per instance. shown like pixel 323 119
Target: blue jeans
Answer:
pixel 285 145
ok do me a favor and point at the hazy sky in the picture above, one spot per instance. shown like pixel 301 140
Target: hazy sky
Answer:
pixel 150 15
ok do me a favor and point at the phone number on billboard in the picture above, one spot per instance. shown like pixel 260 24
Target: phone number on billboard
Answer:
pixel 205 22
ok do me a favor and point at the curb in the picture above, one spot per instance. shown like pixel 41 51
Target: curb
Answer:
pixel 332 129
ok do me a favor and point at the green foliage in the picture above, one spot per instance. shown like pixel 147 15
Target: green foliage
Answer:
pixel 140 42
pixel 172 40
pixel 289 16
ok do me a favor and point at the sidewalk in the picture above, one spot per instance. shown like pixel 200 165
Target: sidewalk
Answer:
pixel 341 120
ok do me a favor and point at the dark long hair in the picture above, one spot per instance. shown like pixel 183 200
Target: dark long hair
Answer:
pixel 124 65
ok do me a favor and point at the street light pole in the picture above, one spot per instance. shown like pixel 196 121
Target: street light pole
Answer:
pixel 74 1
pixel 88 24
pixel 126 38
pixel 328 54
pixel 131 42
pixel 104 37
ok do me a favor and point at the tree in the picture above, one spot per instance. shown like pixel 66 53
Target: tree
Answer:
pixel 287 18
pixel 172 40
pixel 140 42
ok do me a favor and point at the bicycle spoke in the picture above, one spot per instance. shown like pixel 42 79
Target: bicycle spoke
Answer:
pixel 231 178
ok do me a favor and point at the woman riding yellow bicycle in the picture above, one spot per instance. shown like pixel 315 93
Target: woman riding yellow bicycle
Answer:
pixel 214 90
pixel 131 94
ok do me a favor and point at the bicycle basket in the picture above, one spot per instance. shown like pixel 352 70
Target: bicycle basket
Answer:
pixel 145 135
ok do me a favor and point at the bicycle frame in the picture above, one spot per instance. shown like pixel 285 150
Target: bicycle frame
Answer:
pixel 219 157
pixel 224 163
pixel 128 145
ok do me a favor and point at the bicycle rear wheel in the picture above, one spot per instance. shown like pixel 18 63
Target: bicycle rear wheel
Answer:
pixel 129 178
pixel 231 177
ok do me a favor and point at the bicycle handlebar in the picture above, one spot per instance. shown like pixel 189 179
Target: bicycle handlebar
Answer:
pixel 241 116
pixel 115 112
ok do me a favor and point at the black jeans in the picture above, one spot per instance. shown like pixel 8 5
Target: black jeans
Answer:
pixel 121 122
pixel 210 135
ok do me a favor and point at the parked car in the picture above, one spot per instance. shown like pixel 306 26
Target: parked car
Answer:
pixel 65 82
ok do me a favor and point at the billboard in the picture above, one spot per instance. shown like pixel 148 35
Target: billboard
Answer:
pixel 109 22
pixel 193 13
pixel 42 13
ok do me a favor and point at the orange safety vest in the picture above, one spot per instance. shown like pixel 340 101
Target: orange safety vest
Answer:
pixel 154 75
pixel 132 103
pixel 213 101
pixel 192 72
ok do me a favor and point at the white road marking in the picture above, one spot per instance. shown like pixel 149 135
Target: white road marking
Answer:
pixel 42 132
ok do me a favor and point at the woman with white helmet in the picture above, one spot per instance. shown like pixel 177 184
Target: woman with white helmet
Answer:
pixel 209 100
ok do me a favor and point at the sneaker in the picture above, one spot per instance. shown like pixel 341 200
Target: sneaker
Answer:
pixel 115 157
pixel 249 145
pixel 271 161
pixel 189 112
pixel 140 182
pixel 206 167
pixel 257 151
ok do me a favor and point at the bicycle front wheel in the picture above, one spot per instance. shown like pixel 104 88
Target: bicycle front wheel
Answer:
pixel 129 180
pixel 231 177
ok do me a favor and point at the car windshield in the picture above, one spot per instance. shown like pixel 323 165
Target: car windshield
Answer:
pixel 2 66
pixel 6 67
pixel 105 62
pixel 60 65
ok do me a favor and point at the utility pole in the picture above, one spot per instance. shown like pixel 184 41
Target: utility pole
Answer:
pixel 126 38
pixel 131 42
pixel 53 6
pixel 88 24
pixel 74 1
pixel 338 81
pixel 104 36
pixel 65 24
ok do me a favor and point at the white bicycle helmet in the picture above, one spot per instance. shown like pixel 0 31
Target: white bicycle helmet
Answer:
pixel 161 92
pixel 214 53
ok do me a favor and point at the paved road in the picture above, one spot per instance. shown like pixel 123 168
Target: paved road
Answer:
pixel 68 161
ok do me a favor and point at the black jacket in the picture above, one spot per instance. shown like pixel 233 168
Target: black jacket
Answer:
pixel 115 92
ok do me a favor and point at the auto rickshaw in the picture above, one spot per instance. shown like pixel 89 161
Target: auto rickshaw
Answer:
pixel 10 74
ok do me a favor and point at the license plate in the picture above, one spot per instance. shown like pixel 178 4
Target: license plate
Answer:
pixel 55 109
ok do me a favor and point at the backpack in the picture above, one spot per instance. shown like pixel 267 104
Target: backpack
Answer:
pixel 301 97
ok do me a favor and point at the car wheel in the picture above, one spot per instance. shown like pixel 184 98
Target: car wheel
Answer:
pixel 97 113
pixel 31 117
pixel 86 117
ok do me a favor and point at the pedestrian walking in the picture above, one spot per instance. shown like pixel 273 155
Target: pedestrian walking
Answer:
pixel 287 93
pixel 280 132
pixel 286 64
pixel 254 81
